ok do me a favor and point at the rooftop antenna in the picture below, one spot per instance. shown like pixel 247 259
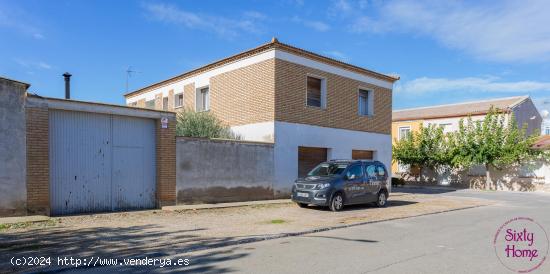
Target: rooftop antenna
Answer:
pixel 129 72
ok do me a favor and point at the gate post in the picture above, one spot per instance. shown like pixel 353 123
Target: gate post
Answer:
pixel 13 189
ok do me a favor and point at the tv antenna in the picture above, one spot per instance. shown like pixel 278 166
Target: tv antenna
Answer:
pixel 129 73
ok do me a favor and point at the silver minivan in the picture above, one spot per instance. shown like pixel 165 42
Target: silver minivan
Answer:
pixel 337 183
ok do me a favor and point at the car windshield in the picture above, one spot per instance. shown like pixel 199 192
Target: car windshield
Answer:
pixel 328 169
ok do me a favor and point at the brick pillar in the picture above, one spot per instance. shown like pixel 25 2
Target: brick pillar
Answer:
pixel 38 162
pixel 171 100
pixel 158 101
pixel 166 163
pixel 189 96
pixel 141 103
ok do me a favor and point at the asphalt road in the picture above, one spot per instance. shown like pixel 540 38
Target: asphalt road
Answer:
pixel 452 242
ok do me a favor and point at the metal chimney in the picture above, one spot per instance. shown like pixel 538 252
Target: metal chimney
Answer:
pixel 67 85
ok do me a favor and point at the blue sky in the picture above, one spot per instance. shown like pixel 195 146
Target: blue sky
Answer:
pixel 444 51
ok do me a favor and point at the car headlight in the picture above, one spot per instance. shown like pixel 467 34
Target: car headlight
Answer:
pixel 322 186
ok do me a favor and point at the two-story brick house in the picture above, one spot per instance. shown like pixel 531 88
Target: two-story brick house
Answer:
pixel 312 108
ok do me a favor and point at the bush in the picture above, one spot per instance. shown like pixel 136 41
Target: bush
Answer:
pixel 202 125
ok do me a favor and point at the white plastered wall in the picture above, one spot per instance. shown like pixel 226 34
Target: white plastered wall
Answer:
pixel 340 142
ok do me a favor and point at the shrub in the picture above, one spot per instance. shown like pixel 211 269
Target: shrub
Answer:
pixel 202 125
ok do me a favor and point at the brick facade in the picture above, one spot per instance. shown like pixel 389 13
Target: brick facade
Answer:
pixel 245 95
pixel 341 100
pixel 38 168
pixel 166 163
pixel 275 90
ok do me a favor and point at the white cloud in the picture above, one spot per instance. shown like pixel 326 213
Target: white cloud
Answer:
pixel 224 26
pixel 505 31
pixel 341 6
pixel 316 25
pixel 18 21
pixel 470 84
pixel 338 55
pixel 32 65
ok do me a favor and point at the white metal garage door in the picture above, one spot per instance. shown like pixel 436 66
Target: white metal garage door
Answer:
pixel 101 162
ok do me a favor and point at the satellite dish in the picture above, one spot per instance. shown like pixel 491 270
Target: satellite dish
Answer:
pixel 544 113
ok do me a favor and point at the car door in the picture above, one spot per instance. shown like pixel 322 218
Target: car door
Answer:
pixel 372 184
pixel 382 175
pixel 353 183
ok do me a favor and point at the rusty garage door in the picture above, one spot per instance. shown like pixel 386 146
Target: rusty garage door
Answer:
pixel 362 154
pixel 309 157
pixel 100 162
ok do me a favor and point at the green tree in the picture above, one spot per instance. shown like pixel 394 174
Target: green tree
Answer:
pixel 202 124
pixel 427 147
pixel 492 142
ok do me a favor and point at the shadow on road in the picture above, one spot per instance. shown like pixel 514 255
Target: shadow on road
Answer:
pixel 423 190
pixel 340 238
pixel 111 243
pixel 390 203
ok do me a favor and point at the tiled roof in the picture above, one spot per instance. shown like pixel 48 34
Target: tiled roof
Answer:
pixel 457 110
pixel 274 44
pixel 543 142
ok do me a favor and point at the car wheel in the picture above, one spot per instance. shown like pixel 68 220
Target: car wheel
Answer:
pixel 337 202
pixel 382 199
pixel 302 205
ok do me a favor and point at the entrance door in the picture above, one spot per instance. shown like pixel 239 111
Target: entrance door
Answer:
pixel 309 157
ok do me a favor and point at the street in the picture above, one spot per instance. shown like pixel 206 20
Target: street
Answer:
pixel 452 242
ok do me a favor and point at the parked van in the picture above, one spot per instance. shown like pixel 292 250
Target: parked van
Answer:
pixel 337 183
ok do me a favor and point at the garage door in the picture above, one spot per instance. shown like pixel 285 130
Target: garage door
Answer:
pixel 309 157
pixel 362 154
pixel 101 162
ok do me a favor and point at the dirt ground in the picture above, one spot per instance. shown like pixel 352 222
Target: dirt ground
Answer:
pixel 160 233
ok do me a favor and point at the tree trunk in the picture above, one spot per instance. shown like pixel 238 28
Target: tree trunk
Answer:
pixel 488 180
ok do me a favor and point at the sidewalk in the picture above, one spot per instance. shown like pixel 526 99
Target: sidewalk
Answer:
pixel 225 205
pixel 23 219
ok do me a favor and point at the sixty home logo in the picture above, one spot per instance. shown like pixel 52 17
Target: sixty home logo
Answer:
pixel 521 245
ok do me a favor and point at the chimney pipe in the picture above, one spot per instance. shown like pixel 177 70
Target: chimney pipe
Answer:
pixel 67 85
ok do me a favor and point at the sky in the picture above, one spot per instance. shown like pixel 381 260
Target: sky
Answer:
pixel 444 51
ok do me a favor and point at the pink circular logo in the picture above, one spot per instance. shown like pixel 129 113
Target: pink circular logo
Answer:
pixel 521 244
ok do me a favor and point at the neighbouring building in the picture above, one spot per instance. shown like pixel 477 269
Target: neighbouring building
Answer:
pixel 448 116
pixel 312 108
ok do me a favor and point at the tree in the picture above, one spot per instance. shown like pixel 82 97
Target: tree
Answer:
pixel 426 147
pixel 492 142
pixel 202 124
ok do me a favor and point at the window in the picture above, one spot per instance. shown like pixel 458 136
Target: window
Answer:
pixel 165 103
pixel 446 127
pixel 203 99
pixel 365 102
pixel 354 172
pixel 380 171
pixel 371 171
pixel 178 100
pixel 403 132
pixel 327 170
pixel 315 92
pixel 150 104
pixel 547 131
pixel 133 104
